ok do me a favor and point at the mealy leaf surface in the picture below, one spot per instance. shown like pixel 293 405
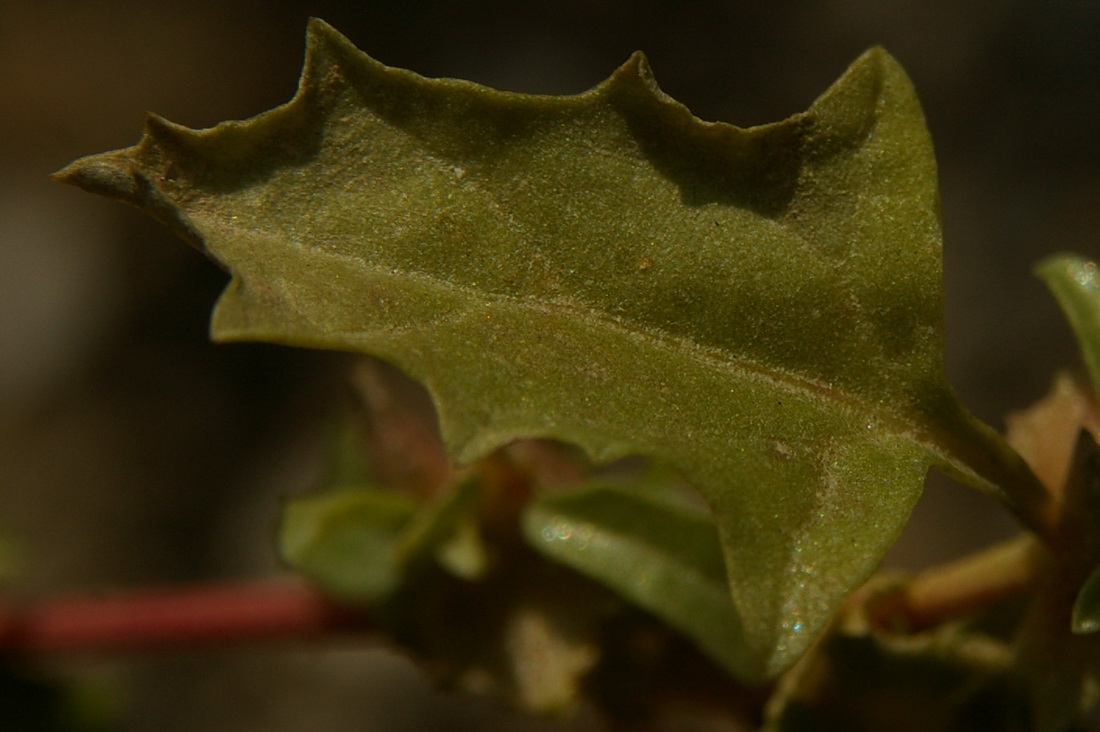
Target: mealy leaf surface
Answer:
pixel 759 308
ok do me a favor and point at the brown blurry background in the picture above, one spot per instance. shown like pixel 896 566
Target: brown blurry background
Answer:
pixel 132 452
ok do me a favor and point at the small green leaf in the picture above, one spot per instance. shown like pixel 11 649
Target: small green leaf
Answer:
pixel 655 552
pixel 1075 283
pixel 360 544
pixel 1086 609
pixel 447 532
pixel 758 308
pixel 348 541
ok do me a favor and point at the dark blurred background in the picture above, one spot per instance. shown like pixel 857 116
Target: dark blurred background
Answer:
pixel 132 452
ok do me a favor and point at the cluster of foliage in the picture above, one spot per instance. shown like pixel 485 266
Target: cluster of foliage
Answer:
pixel 756 313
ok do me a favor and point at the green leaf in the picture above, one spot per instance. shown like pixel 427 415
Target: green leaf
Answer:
pixel 759 308
pixel 348 541
pixel 360 544
pixel 656 553
pixel 1086 610
pixel 1075 283
pixel 446 530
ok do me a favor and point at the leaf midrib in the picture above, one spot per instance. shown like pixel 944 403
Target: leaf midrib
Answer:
pixel 712 357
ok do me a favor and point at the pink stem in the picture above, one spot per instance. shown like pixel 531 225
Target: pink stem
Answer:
pixel 172 618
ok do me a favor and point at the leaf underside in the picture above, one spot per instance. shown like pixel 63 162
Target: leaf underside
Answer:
pixel 759 308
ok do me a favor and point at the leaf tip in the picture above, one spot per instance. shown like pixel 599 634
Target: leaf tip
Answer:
pixel 332 59
pixel 634 73
pixel 639 63
pixel 163 131
pixel 316 27
pixel 320 34
pixel 858 95
pixel 876 60
pixel 106 174
pixel 1063 264
pixel 1074 281
pixel 876 54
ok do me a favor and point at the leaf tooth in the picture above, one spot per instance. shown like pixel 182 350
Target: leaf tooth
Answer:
pixel 634 88
pixel 143 175
pixel 123 174
pixel 328 49
pixel 165 131
pixel 634 73
pixel 105 174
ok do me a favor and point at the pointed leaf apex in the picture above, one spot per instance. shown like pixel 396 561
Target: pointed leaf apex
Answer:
pixel 636 66
pixel 318 27
pixel 875 89
pixel 639 59
pixel 322 38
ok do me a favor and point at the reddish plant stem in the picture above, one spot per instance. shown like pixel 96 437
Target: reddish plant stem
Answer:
pixel 172 619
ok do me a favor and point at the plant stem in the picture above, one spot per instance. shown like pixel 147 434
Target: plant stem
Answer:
pixel 972 583
pixel 171 619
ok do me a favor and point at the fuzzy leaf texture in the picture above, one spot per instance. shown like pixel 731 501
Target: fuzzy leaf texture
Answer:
pixel 759 308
